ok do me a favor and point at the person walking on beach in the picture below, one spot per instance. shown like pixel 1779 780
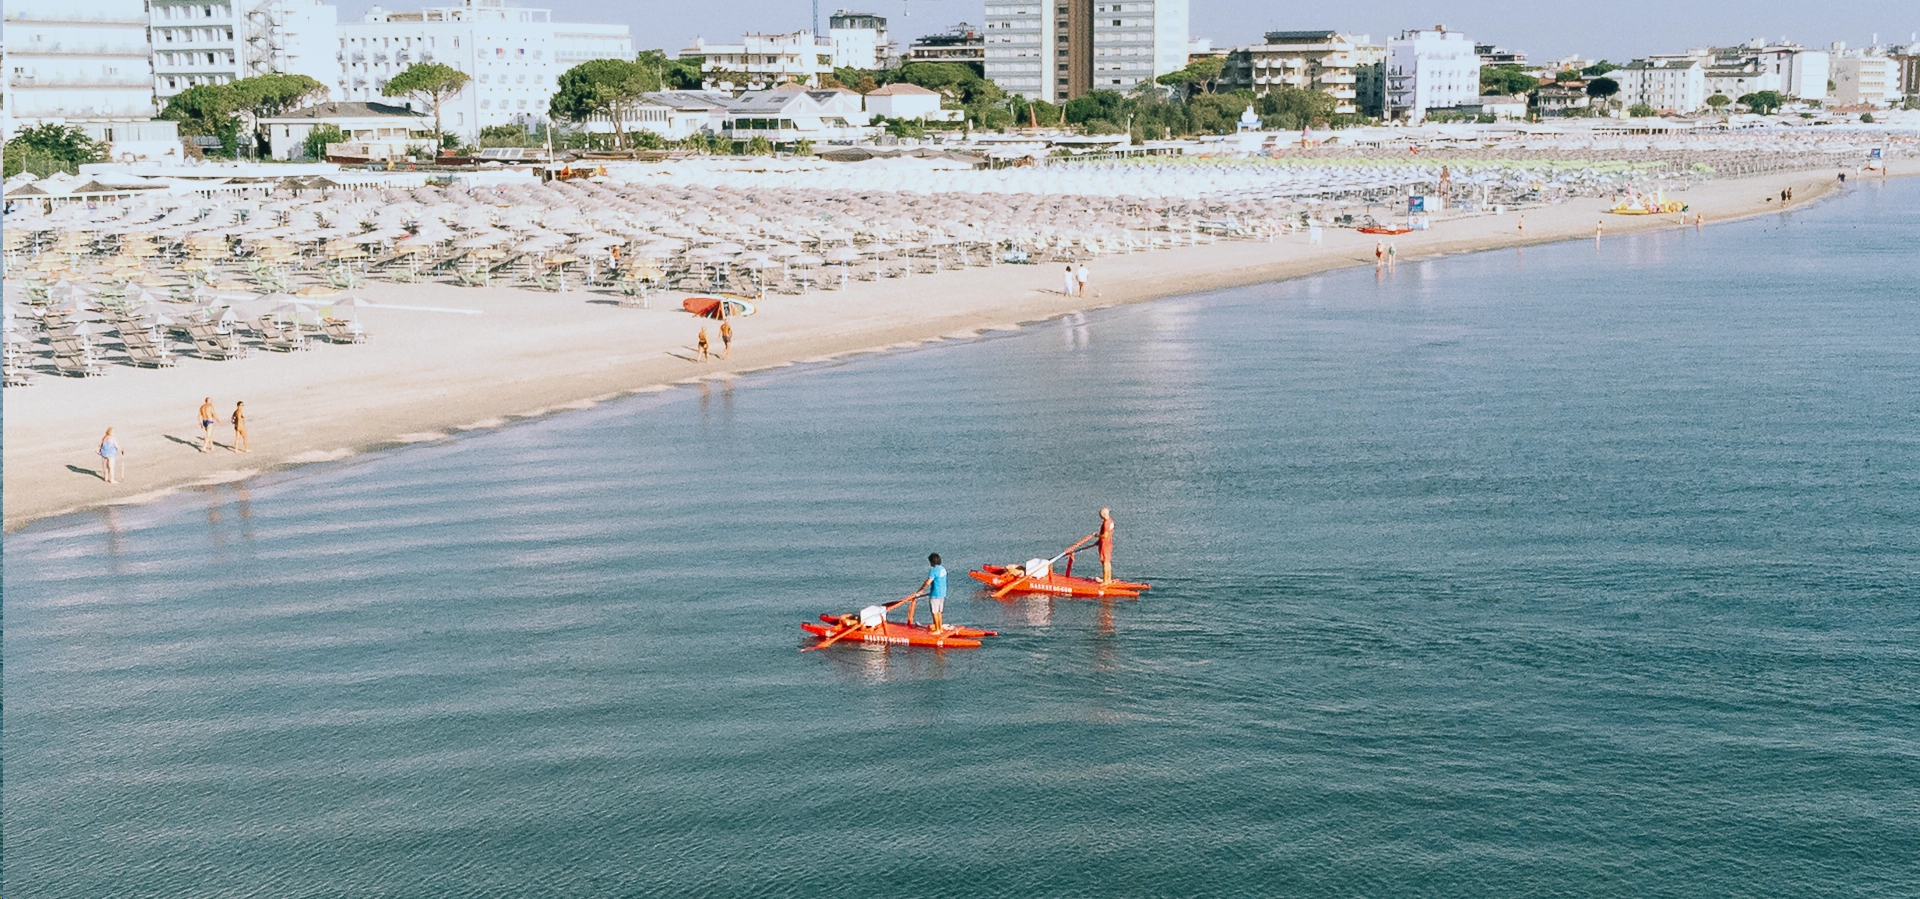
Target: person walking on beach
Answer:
pixel 1081 276
pixel 208 416
pixel 701 344
pixel 109 458
pixel 726 339
pixel 935 587
pixel 1071 284
pixel 239 421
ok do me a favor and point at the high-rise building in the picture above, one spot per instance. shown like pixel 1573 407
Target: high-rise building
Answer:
pixel 1432 69
pixel 859 40
pixel 294 37
pixel 1056 50
pixel 199 42
pixel 195 42
pixel 77 60
pixel 513 55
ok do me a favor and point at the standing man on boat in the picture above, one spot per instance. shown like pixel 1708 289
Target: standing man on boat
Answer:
pixel 1105 535
pixel 935 588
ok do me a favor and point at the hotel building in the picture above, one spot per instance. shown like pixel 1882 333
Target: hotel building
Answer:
pixel 514 55
pixel 1056 50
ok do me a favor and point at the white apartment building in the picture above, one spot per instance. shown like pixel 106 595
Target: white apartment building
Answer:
pixel 1738 77
pixel 294 37
pixel 1056 50
pixel 1803 73
pixel 1666 83
pixel 1325 61
pixel 1432 69
pixel 859 40
pixel 75 61
pixel 1863 77
pixel 514 55
pixel 761 61
pixel 207 42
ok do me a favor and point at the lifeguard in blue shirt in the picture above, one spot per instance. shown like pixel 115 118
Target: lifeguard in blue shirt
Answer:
pixel 935 588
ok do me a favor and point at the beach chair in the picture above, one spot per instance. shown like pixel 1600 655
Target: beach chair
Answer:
pixel 339 330
pixel 74 357
pixel 153 355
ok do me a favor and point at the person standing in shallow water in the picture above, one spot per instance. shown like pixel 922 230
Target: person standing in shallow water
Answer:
pixel 109 458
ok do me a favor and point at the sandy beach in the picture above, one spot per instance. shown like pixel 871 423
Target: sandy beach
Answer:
pixel 512 354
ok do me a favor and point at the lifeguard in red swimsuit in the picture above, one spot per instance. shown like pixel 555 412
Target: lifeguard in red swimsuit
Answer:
pixel 1106 546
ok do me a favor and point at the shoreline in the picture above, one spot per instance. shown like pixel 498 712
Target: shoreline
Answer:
pixel 425 376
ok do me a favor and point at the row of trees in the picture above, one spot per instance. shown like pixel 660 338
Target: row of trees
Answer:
pixel 232 112
pixel 46 149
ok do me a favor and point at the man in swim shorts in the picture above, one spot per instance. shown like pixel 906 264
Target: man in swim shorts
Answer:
pixel 208 416
pixel 936 589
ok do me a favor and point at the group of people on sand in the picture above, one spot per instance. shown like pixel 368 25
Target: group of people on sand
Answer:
pixel 934 588
pixel 1075 282
pixel 726 341
pixel 111 454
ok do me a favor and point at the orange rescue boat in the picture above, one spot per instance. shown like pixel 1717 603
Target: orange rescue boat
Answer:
pixel 870 625
pixel 1038 576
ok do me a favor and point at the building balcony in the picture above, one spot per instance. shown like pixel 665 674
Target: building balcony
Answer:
pixel 64 49
pixel 68 82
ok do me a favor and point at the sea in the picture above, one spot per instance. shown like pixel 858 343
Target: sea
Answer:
pixel 1588 570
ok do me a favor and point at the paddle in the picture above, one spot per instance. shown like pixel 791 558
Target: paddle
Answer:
pixel 823 644
pixel 1016 582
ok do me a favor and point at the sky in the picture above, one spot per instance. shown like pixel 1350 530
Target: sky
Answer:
pixel 1618 30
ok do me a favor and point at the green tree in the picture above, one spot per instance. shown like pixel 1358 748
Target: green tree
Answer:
pixel 505 135
pixel 1719 101
pixel 1565 77
pixel 428 82
pixel 52 148
pixel 273 94
pixel 1640 110
pixel 207 110
pixel 607 87
pixel 1508 79
pixel 862 80
pixel 1293 108
pixel 649 140
pixel 759 146
pixel 1762 102
pixel 951 78
pixel 681 74
pixel 1602 89
pixel 1200 76
pixel 320 137
pixel 1599 68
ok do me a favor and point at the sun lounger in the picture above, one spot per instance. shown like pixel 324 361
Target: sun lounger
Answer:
pixel 342 331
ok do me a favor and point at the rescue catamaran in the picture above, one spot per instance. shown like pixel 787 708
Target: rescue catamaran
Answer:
pixel 870 625
pixel 1038 576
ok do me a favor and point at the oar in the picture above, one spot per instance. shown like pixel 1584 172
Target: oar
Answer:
pixel 823 644
pixel 1016 582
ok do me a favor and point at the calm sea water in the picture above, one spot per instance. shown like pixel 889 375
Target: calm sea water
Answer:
pixel 1567 571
